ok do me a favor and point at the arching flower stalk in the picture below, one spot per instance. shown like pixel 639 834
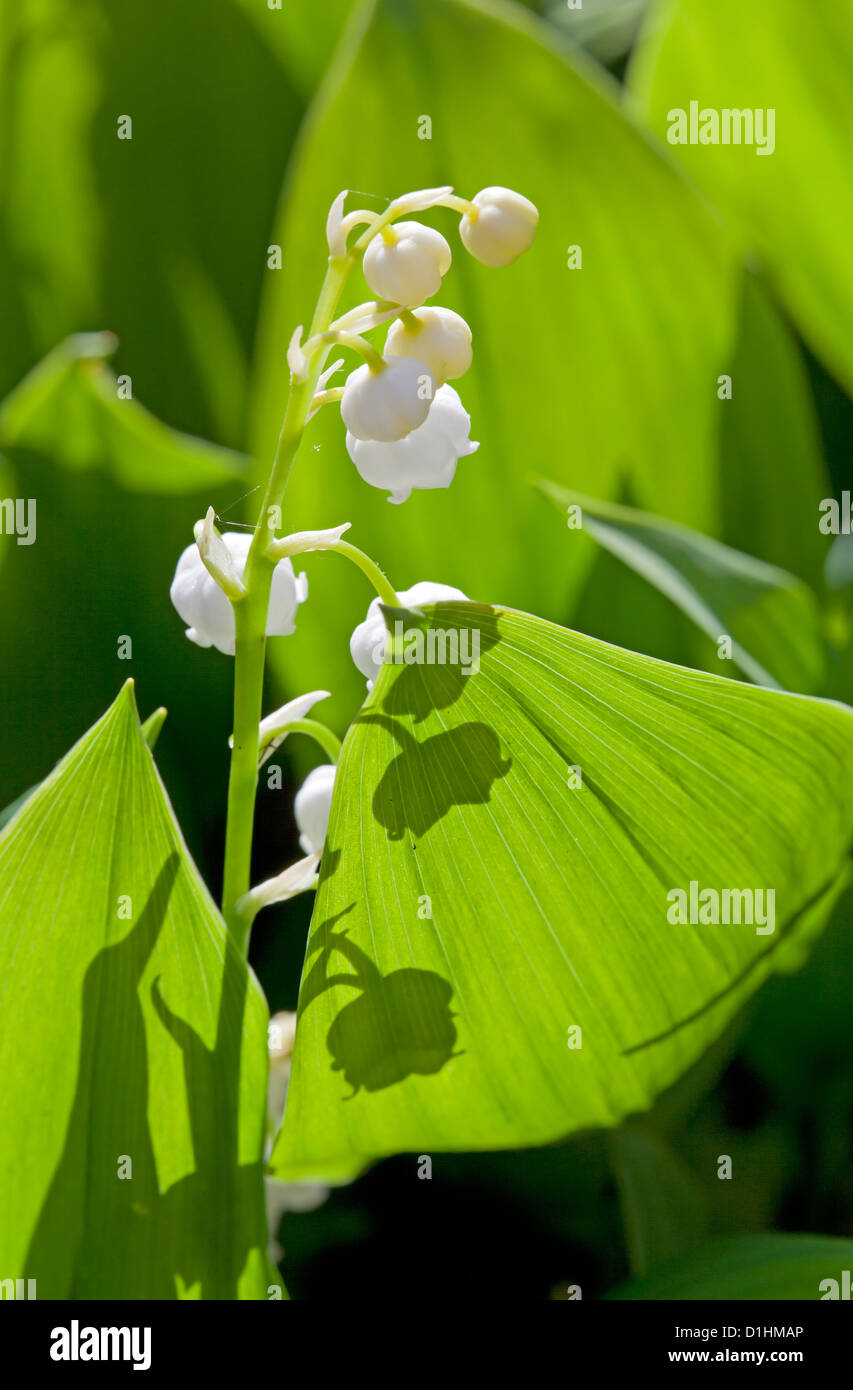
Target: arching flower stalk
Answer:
pixel 405 427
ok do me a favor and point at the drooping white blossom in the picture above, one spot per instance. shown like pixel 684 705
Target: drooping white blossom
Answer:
pixel 311 807
pixel 207 611
pixel 501 228
pixel 368 642
pixel 389 404
pixel 439 337
pixel 425 458
pixel 405 263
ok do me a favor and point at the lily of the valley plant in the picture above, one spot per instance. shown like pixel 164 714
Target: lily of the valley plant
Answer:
pixel 406 428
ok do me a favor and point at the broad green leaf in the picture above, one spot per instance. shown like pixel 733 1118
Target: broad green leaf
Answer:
pixel 771 476
pixel 792 206
pixel 500 866
pixel 69 409
pixel 132 1048
pixel 302 37
pixel 771 617
pixel 772 470
pixel 48 264
pixel 592 372
pixel 150 732
pixel 162 237
pixel 607 28
pixel 749 1267
pixel 14 806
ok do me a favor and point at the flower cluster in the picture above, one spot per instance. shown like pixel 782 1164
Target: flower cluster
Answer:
pixel 406 427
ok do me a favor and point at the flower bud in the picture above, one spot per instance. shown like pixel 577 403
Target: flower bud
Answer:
pixel 367 644
pixel 208 613
pixel 425 458
pixel 389 404
pixel 405 263
pixel 438 337
pixel 311 807
pixel 501 228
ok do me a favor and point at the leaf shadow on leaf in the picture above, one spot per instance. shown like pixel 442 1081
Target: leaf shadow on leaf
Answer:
pixel 400 1025
pixel 131 1213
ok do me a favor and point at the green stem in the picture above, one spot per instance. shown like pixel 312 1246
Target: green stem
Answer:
pixel 371 569
pixel 250 617
pixel 340 337
pixel 329 742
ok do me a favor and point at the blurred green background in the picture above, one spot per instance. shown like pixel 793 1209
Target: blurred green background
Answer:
pixel 246 121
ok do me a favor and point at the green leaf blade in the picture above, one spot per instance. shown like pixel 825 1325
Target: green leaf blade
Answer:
pixel 68 409
pixel 131 1153
pixel 791 205
pixel 547 903
pixel 771 616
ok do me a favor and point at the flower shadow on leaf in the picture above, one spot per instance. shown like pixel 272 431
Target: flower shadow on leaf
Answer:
pixel 426 778
pixel 444 643
pixel 400 1024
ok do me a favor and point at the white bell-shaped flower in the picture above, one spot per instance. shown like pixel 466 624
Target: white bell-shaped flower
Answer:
pixel 389 404
pixel 438 337
pixel 368 642
pixel 405 263
pixel 311 807
pixel 502 227
pixel 207 611
pixel 425 458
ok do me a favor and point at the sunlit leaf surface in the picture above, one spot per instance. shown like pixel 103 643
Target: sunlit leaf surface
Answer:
pixel 499 871
pixel 770 618
pixel 73 410
pixel 132 1046
pixel 790 203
